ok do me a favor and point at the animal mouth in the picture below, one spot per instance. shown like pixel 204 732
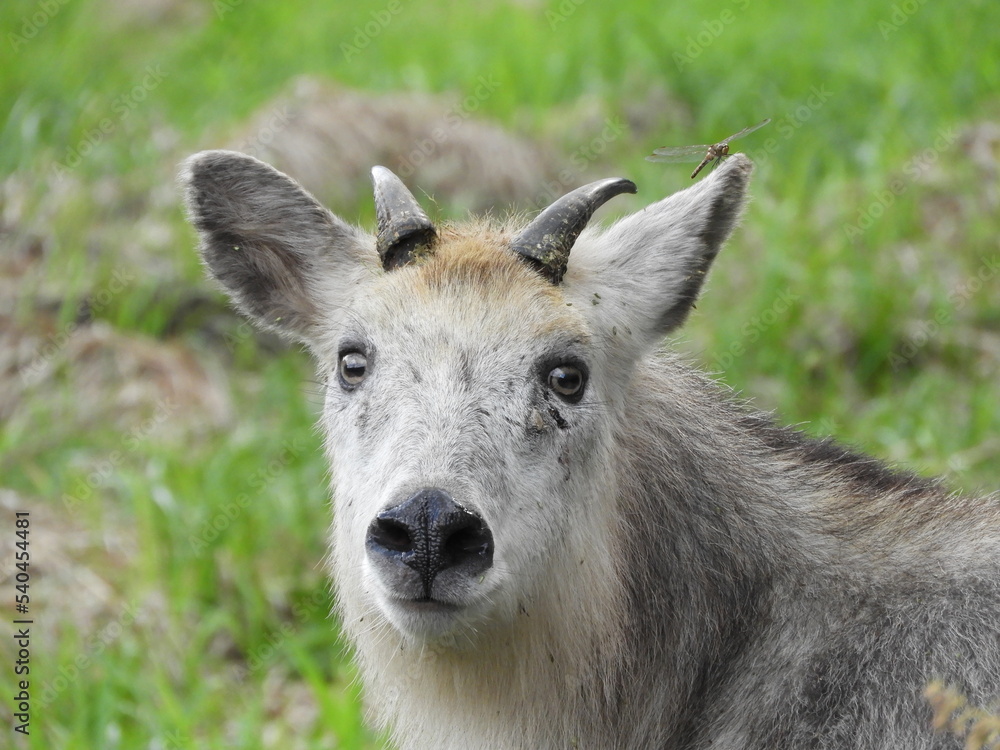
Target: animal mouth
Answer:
pixel 426 604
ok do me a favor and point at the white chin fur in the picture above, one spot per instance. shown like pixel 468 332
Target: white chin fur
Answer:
pixel 432 621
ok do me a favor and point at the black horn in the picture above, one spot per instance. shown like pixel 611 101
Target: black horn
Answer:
pixel 547 240
pixel 403 227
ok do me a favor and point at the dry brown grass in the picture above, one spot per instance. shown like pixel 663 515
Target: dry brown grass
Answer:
pixel 329 136
pixel 979 727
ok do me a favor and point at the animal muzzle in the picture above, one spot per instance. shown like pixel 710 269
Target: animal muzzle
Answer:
pixel 429 534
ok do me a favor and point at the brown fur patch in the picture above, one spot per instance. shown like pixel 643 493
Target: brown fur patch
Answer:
pixel 475 262
pixel 479 255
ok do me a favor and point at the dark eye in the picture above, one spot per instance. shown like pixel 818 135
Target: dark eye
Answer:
pixel 567 381
pixel 353 366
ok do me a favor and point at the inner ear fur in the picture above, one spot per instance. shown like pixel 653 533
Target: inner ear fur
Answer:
pixel 639 279
pixel 272 246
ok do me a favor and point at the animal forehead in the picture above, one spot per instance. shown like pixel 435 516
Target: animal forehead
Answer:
pixel 473 282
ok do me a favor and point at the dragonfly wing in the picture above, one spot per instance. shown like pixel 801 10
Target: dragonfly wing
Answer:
pixel 746 131
pixel 678 154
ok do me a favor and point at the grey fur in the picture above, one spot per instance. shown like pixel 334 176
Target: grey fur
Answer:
pixel 671 569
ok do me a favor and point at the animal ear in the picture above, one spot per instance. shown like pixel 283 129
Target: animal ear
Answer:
pixel 285 260
pixel 639 279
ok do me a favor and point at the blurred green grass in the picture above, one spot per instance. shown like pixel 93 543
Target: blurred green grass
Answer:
pixel 826 325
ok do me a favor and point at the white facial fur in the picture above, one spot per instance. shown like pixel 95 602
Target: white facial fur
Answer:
pixel 456 398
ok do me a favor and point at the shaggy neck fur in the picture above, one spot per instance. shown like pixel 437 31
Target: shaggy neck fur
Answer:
pixel 704 575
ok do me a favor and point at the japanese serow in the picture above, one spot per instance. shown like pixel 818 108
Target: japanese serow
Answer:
pixel 550 533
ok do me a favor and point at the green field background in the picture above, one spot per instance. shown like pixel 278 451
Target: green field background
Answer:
pixel 167 453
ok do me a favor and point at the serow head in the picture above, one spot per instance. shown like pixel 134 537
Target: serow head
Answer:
pixel 476 377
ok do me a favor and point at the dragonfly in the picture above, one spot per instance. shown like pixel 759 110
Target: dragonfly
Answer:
pixel 712 152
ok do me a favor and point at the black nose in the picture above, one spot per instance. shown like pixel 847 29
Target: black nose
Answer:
pixel 429 532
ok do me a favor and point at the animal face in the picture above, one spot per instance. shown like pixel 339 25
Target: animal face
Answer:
pixel 473 382
pixel 480 383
